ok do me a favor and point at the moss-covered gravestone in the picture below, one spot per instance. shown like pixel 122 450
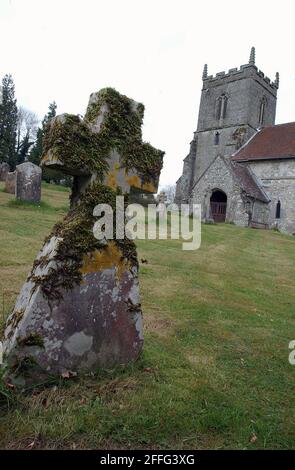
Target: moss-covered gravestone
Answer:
pixel 79 309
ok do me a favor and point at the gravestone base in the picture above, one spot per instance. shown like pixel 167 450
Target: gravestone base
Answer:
pixel 97 324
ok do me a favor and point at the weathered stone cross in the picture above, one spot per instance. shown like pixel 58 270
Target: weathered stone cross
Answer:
pixel 79 308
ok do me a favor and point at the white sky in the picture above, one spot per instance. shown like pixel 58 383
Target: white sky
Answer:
pixel 151 50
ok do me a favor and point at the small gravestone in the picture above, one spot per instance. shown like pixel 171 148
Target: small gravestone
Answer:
pixel 162 200
pixel 28 182
pixel 79 309
pixel 10 182
pixel 4 169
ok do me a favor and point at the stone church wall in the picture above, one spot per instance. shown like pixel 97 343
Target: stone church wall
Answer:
pixel 278 180
pixel 218 176
pixel 183 185
pixel 207 149
pixel 260 214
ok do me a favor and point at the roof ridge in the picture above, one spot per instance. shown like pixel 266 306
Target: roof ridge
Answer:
pixel 283 124
pixel 245 144
pixel 277 125
pixel 271 142
pixel 209 166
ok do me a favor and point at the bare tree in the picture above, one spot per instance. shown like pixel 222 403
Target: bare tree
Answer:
pixel 27 127
pixel 169 190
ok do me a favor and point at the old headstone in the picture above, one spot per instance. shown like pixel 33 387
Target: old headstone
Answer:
pixel 4 169
pixel 79 309
pixel 28 182
pixel 10 182
pixel 162 200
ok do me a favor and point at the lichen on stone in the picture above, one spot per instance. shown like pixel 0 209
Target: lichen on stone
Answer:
pixel 15 318
pixel 121 129
pixel 77 241
pixel 74 144
pixel 71 141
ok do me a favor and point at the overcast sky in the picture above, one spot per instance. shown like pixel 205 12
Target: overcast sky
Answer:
pixel 151 50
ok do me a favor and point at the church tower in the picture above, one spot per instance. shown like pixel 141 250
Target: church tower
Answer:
pixel 233 106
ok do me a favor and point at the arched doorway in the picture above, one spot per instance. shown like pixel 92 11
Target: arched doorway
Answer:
pixel 218 202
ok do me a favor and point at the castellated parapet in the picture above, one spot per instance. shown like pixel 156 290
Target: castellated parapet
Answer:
pixel 245 71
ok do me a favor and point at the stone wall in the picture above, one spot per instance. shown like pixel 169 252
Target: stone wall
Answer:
pixel 260 215
pixel 184 183
pixel 219 176
pixel 207 149
pixel 278 180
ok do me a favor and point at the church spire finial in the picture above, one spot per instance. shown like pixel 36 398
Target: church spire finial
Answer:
pixel 205 72
pixel 277 80
pixel 252 56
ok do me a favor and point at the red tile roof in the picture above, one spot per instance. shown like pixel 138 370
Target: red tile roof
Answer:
pixel 271 142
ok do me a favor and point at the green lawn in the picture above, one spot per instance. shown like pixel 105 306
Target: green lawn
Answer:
pixel 214 372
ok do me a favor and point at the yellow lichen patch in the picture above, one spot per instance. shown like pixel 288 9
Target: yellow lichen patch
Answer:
pixel 109 257
pixel 149 187
pixel 50 159
pixel 136 182
pixel 112 180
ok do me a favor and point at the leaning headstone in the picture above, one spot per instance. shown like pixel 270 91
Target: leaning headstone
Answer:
pixel 28 182
pixel 10 182
pixel 80 309
pixel 4 169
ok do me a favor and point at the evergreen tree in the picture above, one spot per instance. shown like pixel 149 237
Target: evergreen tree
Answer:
pixel 51 113
pixel 36 152
pixel 8 122
pixel 24 148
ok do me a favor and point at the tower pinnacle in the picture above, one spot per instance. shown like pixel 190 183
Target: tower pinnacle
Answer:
pixel 205 72
pixel 277 80
pixel 252 56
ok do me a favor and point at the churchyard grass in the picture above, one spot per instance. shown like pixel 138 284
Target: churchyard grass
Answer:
pixel 214 372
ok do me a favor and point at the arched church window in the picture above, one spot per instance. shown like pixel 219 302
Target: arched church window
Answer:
pixel 278 210
pixel 218 107
pixel 223 111
pixel 216 138
pixel 262 110
pixel 221 106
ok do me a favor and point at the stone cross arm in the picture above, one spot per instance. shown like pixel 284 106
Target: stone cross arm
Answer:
pixel 105 145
